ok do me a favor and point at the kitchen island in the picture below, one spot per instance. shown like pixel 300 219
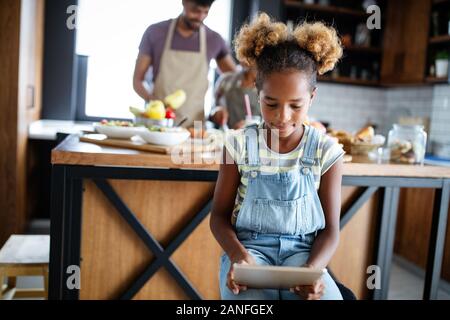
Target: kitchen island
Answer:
pixel 137 224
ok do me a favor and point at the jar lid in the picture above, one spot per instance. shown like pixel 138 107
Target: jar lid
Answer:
pixel 398 126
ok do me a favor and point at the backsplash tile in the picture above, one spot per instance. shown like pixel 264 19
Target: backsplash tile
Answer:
pixel 440 117
pixel 348 107
pixel 351 107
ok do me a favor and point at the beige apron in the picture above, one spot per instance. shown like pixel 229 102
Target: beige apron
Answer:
pixel 185 70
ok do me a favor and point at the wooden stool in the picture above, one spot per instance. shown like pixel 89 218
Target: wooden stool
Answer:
pixel 24 255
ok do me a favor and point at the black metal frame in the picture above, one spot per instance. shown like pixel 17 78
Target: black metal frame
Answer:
pixel 66 223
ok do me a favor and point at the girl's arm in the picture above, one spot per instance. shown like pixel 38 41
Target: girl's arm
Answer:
pixel 330 196
pixel 222 208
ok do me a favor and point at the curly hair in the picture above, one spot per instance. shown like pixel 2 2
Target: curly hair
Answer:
pixel 312 48
pixel 203 3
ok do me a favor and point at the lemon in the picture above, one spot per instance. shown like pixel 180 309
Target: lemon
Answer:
pixel 155 110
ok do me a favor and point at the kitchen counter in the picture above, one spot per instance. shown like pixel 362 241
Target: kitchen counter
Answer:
pixel 48 129
pixel 137 224
pixel 74 152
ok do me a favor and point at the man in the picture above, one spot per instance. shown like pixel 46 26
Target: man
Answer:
pixel 179 51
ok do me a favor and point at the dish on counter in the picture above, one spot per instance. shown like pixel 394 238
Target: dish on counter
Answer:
pixel 164 136
pixel 117 129
pixel 361 143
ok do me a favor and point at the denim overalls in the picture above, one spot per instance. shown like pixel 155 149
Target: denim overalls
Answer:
pixel 279 218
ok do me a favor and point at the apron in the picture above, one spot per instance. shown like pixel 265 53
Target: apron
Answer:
pixel 285 203
pixel 185 70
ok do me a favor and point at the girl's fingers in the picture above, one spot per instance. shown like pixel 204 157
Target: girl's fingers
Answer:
pixel 312 296
pixel 309 292
pixel 317 285
pixel 233 286
pixel 242 288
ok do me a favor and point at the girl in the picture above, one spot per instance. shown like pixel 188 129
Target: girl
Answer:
pixel 281 208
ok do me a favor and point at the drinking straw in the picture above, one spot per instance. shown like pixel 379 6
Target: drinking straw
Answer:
pixel 247 105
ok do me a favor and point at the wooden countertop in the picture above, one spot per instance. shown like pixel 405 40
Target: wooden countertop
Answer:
pixel 73 152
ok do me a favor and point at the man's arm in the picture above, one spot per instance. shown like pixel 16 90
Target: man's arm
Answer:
pixel 226 64
pixel 143 62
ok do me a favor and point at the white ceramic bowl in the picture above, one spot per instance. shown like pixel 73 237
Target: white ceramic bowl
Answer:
pixel 150 122
pixel 118 132
pixel 171 137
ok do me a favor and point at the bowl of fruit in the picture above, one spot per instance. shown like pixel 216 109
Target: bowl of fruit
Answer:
pixel 159 113
pixel 118 129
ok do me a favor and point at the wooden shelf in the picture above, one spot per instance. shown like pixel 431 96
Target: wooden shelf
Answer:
pixel 437 80
pixel 440 39
pixel 365 49
pixel 326 9
pixel 437 2
pixel 348 80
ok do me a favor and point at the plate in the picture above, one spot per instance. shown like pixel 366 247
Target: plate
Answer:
pixel 118 132
pixel 171 137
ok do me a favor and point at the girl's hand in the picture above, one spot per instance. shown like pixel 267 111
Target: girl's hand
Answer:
pixel 220 117
pixel 231 284
pixel 310 292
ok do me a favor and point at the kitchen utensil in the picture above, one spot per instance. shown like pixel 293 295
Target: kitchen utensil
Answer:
pixel 185 118
pixel 247 105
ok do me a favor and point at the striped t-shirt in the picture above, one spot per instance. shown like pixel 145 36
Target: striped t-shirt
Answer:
pixel 271 162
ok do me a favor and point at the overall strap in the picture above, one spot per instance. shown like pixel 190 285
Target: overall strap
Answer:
pixel 310 151
pixel 251 144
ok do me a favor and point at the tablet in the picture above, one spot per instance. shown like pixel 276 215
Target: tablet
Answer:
pixel 275 277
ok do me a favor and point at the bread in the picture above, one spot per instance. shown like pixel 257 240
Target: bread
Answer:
pixel 345 138
pixel 365 134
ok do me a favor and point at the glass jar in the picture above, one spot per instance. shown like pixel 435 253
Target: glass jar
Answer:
pixel 407 143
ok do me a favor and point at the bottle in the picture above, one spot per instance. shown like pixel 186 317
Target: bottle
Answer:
pixel 407 143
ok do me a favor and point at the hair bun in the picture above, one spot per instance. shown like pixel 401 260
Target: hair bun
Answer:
pixel 257 35
pixel 321 42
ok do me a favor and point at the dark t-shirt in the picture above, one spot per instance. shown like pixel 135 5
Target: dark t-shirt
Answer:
pixel 154 38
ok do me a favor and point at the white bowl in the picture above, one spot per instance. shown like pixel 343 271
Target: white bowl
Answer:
pixel 167 138
pixel 118 132
pixel 151 122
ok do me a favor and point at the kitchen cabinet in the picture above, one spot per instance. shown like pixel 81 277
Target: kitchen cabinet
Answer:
pixel 21 49
pixel 439 40
pixel 405 42
pixel 399 54
pixel 360 64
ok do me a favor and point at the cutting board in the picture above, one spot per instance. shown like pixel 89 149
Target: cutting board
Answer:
pixel 137 143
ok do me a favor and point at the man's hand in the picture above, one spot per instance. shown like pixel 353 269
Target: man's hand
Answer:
pixel 143 62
